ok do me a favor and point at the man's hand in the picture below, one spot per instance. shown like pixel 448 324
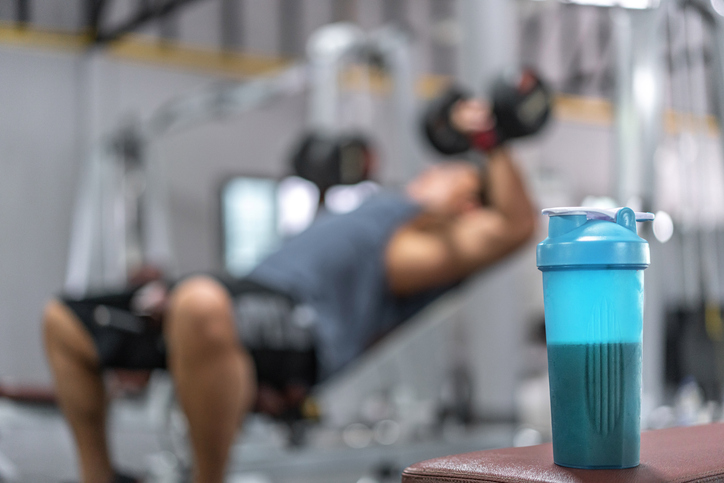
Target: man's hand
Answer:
pixel 150 300
pixel 472 116
pixel 447 190
pixel 420 257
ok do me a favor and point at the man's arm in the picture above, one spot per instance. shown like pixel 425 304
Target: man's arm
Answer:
pixel 486 235
pixel 420 258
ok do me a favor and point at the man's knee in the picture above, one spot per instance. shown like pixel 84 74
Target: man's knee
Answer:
pixel 201 308
pixel 63 332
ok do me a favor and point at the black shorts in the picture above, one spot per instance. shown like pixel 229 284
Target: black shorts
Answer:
pixel 275 329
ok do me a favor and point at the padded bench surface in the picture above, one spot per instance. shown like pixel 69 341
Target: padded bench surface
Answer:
pixel 667 455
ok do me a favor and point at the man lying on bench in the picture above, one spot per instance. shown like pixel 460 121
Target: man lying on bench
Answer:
pixel 302 314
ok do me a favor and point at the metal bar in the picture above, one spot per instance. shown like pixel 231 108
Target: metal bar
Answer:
pixel 393 12
pixel 531 40
pixel 343 10
pixel 575 50
pixel 290 37
pixel 329 50
pixel 606 73
pixel 639 103
pixel 196 108
pixel 396 47
pixel 715 22
pixel 22 11
pixel 231 21
pixel 442 50
pixel 489 47
pixel 143 16
pixel 84 235
pixel 168 27
pixel 94 12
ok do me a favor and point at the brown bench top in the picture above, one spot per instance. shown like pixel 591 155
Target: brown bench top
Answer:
pixel 668 455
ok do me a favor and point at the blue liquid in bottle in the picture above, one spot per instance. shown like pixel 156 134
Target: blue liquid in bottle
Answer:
pixel 595 401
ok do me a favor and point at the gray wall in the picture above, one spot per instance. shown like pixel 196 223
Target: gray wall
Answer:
pixel 56 105
pixel 39 153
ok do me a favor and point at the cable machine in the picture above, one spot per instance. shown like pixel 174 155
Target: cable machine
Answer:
pixel 121 218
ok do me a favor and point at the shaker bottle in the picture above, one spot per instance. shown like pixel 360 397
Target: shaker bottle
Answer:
pixel 593 293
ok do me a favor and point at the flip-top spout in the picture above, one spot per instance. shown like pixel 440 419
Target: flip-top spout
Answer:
pixel 593 237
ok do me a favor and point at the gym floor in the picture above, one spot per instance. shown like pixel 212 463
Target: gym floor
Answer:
pixel 36 447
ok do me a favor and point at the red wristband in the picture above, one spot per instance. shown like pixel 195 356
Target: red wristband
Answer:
pixel 484 140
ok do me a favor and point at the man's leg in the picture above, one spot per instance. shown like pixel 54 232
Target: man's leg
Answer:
pixel 79 387
pixel 213 374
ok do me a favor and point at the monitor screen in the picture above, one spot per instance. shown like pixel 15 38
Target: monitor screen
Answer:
pixel 258 214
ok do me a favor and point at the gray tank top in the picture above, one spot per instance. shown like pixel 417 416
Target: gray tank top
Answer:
pixel 337 267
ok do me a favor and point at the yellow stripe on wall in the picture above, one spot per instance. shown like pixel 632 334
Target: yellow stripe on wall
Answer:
pixel 236 65
pixel 19 35
pixel 586 110
pixel 138 48
pixel 225 63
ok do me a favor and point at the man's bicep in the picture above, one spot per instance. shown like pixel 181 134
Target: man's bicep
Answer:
pixel 418 260
pixel 485 236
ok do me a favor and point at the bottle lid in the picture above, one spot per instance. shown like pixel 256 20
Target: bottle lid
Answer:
pixel 592 237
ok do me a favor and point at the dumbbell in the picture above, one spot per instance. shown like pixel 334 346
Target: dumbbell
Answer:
pixel 329 160
pixel 521 106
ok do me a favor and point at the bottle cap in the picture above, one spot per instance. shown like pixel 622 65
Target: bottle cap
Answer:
pixel 581 237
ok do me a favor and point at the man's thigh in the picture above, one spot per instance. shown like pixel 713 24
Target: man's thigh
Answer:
pixel 123 340
pixel 277 332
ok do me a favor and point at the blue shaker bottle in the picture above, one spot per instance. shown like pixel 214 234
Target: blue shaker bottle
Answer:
pixel 593 291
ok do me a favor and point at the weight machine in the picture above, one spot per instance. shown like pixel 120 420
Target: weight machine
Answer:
pixel 121 219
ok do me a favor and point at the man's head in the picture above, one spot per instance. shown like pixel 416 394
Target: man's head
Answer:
pixel 450 188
